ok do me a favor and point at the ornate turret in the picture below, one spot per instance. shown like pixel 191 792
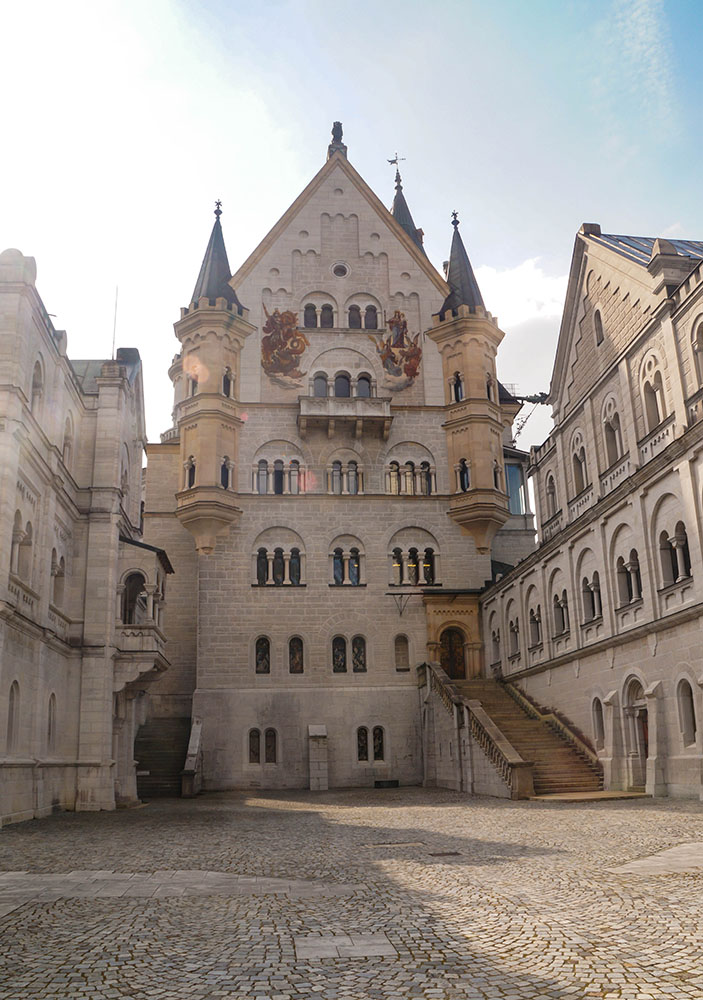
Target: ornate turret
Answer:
pixel 468 337
pixel 212 330
pixel 401 212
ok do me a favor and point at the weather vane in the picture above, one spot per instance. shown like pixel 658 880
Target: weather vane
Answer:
pixel 396 160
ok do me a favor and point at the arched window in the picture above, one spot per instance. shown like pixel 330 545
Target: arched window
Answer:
pixel 263 655
pixel 295 477
pixel 17 536
pixel 342 385
pixel 13 718
pixel 535 619
pixel 309 316
pixel 51 724
pixel 339 655
pixel 697 344
pixel 669 562
pixel 371 318
pixel 687 713
pixel 67 449
pixel 397 573
pixel 655 409
pixel 134 606
pixel 270 748
pixel 354 318
pixel 378 741
pixel 58 574
pixel 558 611
pixel 336 477
pixel 514 632
pixel 190 473
pixel 598 724
pixel 353 478
pixel 295 655
pixel 25 555
pixel 227 382
pixel 363 387
pixel 495 646
pixel 452 658
pixel 551 493
pixel 354 567
pixel 359 654
pixel 224 473
pixel 682 550
pixel 578 460
pixel 425 479
pixel 37 388
pixel 278 477
pixel 193 385
pixel 394 478
pixel 294 567
pixel 278 567
pixel 565 610
pixel 613 439
pixel 457 387
pixel 489 387
pixel 464 476
pixel 338 567
pixel 413 568
pixel 589 604
pixel 402 653
pixel 598 325
pixel 254 746
pixel 362 743
pixel 319 386
pixel 262 478
pixel 327 317
pixel 262 567
pixel 624 582
pixel 428 565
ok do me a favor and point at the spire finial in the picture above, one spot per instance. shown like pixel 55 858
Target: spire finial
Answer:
pixel 455 219
pixel 336 132
pixel 218 209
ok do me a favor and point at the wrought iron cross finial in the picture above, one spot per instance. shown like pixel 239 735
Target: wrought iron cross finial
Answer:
pixel 455 219
pixel 218 208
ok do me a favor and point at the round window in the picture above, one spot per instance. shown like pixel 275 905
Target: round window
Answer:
pixel 340 270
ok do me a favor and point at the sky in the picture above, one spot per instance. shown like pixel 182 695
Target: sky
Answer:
pixel 123 121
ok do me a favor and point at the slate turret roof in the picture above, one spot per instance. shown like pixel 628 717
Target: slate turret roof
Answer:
pixel 213 280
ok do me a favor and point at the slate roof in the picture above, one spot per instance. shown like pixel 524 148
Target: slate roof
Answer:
pixel 401 214
pixel 213 280
pixel 460 277
pixel 639 248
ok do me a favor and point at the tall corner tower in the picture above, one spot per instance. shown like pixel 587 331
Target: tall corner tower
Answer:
pixel 468 338
pixel 212 330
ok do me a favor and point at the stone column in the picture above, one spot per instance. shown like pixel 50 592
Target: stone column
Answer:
pixel 286 480
pixel 286 568
pixel 632 568
pixel 269 480
pixel 345 567
pixel 345 480
pixel 680 568
pixel 433 474
pixel 269 568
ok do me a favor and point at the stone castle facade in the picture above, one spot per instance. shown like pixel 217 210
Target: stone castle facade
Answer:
pixel 331 508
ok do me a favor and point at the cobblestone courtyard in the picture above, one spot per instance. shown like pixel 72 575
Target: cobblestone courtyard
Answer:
pixel 388 894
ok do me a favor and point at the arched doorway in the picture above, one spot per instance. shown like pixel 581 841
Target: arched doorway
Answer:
pixel 452 654
pixel 637 732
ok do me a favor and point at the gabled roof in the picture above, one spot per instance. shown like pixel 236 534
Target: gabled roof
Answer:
pixel 401 214
pixel 460 276
pixel 338 161
pixel 213 280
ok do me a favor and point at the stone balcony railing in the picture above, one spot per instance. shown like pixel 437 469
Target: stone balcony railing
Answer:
pixel 370 415
pixel 26 600
pixel 694 407
pixel 655 442
pixel 553 526
pixel 613 476
pixel 581 503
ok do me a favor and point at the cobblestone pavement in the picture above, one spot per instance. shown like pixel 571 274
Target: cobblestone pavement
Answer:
pixel 387 894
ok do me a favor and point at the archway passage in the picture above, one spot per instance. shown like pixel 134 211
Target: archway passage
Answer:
pixel 452 657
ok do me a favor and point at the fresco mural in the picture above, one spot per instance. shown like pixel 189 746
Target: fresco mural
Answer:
pixel 282 348
pixel 400 354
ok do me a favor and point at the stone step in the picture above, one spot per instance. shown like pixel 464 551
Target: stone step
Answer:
pixel 160 751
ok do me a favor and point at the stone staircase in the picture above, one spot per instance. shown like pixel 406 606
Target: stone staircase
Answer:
pixel 558 765
pixel 160 751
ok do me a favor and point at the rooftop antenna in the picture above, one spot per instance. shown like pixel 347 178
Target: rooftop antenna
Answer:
pixel 114 325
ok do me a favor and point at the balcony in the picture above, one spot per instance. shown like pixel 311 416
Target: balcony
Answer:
pixel 659 439
pixel 140 653
pixel 553 526
pixel 613 476
pixel 581 503
pixel 369 415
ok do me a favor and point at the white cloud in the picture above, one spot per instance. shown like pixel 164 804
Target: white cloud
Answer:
pixel 516 295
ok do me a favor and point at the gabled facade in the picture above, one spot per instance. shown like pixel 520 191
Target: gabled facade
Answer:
pixel 603 621
pixel 330 407
pixel 80 595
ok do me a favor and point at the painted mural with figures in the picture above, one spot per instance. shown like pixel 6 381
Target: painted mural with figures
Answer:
pixel 282 348
pixel 400 353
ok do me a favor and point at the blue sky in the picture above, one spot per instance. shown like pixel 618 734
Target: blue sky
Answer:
pixel 125 121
